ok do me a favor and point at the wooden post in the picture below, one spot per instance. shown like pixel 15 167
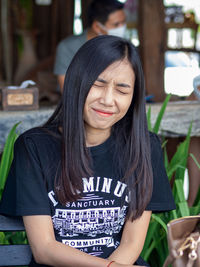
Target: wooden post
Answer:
pixel 85 5
pixel 54 19
pixel 54 23
pixel 66 17
pixel 6 39
pixel 152 35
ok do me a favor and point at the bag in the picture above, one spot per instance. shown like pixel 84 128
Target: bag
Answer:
pixel 184 242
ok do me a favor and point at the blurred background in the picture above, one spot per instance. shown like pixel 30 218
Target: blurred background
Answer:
pixel 167 36
pixel 166 32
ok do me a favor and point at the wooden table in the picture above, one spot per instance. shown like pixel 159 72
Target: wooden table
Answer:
pixel 175 123
pixel 28 119
pixel 177 118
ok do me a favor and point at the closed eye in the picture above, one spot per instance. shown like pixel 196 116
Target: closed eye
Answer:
pixel 100 82
pixel 98 85
pixel 121 92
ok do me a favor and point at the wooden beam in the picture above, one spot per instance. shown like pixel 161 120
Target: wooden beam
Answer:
pixel 6 39
pixel 152 35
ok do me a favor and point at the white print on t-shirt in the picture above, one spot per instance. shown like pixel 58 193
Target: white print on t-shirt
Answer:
pixel 92 184
pixel 83 203
pixel 89 222
pixel 108 241
pixel 92 222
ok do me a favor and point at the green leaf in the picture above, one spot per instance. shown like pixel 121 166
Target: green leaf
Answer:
pixel 178 162
pixel 166 161
pixel 153 239
pixel 2 238
pixel 174 215
pixel 160 114
pixel 160 221
pixel 197 200
pixel 194 210
pixel 195 160
pixel 179 190
pixel 164 143
pixel 156 245
pixel 181 172
pixel 172 168
pixel 152 246
pixel 151 230
pixel 184 209
pixel 149 118
pixel 7 156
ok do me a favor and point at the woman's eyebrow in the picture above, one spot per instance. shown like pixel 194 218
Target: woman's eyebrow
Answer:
pixel 101 80
pixel 123 85
pixel 118 84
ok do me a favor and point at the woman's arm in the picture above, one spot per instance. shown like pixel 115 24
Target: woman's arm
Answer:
pixel 46 250
pixel 132 241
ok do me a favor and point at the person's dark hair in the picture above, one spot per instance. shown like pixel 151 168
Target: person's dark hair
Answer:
pixel 101 9
pixel 132 145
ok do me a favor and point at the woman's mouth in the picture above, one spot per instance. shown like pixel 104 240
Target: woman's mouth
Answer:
pixel 103 112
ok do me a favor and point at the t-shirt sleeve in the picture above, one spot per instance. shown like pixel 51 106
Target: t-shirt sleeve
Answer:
pixel 25 192
pixel 162 198
pixel 64 55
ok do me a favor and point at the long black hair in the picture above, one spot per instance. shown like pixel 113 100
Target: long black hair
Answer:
pixel 132 149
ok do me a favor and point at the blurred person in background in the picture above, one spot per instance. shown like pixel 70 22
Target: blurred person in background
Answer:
pixel 104 17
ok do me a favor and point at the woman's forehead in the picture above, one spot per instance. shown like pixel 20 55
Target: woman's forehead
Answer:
pixel 120 68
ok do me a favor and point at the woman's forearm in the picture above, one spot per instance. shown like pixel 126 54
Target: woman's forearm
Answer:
pixel 55 253
pixel 60 255
pixel 126 254
pixel 132 241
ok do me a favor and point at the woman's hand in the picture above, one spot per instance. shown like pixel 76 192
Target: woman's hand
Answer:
pixel 132 241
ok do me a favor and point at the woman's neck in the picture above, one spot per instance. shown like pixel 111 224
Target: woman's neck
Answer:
pixel 95 138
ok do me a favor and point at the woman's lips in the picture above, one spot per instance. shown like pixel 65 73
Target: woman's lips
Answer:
pixel 103 112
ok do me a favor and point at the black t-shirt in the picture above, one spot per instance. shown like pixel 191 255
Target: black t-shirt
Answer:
pixel 94 222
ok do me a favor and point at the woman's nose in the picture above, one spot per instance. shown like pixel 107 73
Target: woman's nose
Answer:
pixel 107 97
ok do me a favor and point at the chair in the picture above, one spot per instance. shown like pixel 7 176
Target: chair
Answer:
pixel 13 255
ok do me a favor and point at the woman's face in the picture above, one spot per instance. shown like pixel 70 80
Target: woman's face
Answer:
pixel 109 98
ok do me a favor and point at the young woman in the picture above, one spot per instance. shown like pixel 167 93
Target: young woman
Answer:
pixel 87 181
